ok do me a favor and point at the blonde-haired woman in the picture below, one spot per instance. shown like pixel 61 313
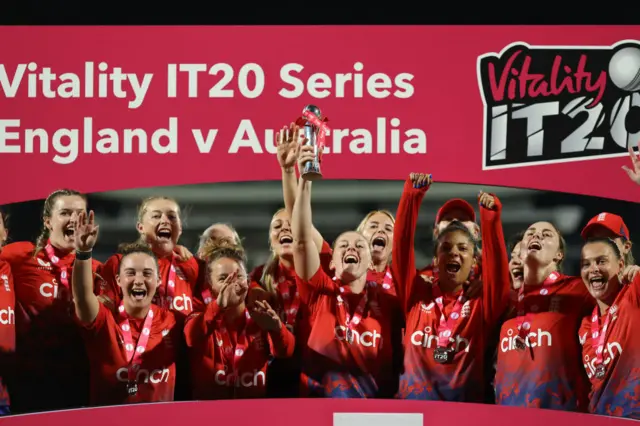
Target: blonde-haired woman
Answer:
pixel 275 281
pixel 49 347
pixel 377 227
pixel 160 226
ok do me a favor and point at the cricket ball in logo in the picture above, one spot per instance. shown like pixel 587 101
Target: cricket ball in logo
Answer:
pixel 551 104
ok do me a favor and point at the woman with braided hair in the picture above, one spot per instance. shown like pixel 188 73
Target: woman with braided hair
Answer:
pixel 49 347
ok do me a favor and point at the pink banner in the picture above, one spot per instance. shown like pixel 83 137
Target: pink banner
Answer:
pixel 108 108
pixel 313 412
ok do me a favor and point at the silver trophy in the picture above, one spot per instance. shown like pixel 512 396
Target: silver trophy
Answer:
pixel 311 169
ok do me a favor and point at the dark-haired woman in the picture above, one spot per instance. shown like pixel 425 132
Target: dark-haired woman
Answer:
pixel 132 351
pixel 230 345
pixel 609 334
pixel 447 331
pixel 49 347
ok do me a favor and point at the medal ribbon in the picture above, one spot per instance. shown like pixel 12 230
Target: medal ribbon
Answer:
pixel 134 351
pixel 55 260
pixel 352 322
pixel 168 291
pixel 290 305
pixel 525 318
pixel 599 337
pixel 226 346
pixel 447 326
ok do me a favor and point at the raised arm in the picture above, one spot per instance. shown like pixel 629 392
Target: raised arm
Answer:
pixel 306 256
pixel 288 144
pixel 495 262
pixel 86 302
pixel 403 263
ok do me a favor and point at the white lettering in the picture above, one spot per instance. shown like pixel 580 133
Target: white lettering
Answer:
pixel 541 338
pixel 67 144
pixel 612 350
pixel 344 85
pixel 182 303
pixel 366 339
pixel 430 341
pixel 49 290
pixel 246 380
pixel 388 138
pixel 144 376
pixel 70 85
pixel 7 316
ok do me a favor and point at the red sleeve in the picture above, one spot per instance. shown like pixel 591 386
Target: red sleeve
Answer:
pixel 495 270
pixel 403 264
pixel 326 256
pixel 90 330
pixel 198 325
pixel 108 285
pixel 319 282
pixel 282 343
pixel 14 252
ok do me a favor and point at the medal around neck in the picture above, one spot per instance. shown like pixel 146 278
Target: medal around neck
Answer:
pixel 132 388
pixel 600 371
pixel 443 355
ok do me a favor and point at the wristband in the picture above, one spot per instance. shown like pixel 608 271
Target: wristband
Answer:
pixel 83 255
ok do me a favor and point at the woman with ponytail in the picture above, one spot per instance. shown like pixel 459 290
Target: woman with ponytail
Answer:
pixel 52 363
pixel 230 346
pixel 275 281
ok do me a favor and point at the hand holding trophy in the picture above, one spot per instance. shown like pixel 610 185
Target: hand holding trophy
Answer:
pixel 314 130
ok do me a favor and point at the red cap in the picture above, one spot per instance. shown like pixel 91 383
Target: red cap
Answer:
pixel 612 222
pixel 456 203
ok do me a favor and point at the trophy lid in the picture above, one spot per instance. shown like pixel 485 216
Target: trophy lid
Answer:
pixel 314 110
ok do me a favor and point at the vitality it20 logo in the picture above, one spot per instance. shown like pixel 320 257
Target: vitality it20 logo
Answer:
pixel 549 104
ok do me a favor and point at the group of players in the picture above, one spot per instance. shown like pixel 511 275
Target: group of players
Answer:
pixel 358 319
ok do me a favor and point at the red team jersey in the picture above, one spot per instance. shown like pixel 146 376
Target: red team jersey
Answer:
pixel 384 279
pixel 618 392
pixel 53 364
pixel 548 372
pixel 105 345
pixel 227 364
pixel 362 363
pixel 463 378
pixel 185 278
pixel 7 326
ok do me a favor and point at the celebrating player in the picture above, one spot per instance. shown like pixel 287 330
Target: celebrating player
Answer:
pixel 275 280
pixel 7 324
pixel 516 267
pixel 354 342
pixel 609 334
pixel 609 225
pixel 446 330
pixel 142 369
pixel 377 227
pixel 49 347
pixel 539 352
pixel 159 226
pixel 230 346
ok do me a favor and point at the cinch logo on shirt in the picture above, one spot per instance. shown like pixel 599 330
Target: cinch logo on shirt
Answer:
pixel 49 290
pixel 144 376
pixel 428 340
pixel 182 303
pixel 611 351
pixel 249 379
pixel 532 340
pixel 7 316
pixel 367 339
